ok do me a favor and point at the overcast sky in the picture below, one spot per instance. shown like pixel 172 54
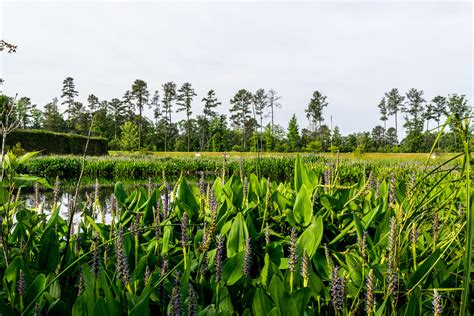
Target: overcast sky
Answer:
pixel 353 52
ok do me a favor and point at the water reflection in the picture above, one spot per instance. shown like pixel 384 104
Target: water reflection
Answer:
pixel 65 201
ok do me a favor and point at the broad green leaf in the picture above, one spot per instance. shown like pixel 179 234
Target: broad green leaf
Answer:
pixel 281 297
pixel 232 270
pixel 303 209
pixel 100 307
pixel 48 257
pixel 301 177
pixel 119 193
pixel 238 234
pixel 261 304
pixel 36 287
pixel 311 238
pixel 186 200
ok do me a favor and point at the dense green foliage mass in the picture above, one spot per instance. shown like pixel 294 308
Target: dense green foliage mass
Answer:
pixel 57 143
pixel 144 167
pixel 378 244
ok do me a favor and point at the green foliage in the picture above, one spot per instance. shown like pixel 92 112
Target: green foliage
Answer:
pixel 130 264
pixel 129 137
pixel 160 252
pixel 56 143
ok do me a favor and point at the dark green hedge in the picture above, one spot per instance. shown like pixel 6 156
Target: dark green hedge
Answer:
pixel 56 143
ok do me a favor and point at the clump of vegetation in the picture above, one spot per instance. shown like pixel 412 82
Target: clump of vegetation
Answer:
pixel 141 167
pixel 244 244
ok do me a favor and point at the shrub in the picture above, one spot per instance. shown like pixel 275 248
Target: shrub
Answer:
pixel 56 143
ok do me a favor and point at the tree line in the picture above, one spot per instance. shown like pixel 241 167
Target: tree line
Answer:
pixel 249 126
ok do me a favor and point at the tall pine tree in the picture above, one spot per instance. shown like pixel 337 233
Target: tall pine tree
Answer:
pixel 293 134
pixel 240 113
pixel 68 94
pixel 184 99
pixel 169 96
pixel 140 94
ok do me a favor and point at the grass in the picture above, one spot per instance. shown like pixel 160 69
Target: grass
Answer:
pixel 233 154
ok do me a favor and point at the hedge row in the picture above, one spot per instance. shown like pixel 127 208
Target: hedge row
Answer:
pixel 56 143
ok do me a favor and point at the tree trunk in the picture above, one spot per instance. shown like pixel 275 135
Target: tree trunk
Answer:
pixel 165 138
pixel 396 125
pixel 139 126
pixel 189 134
pixel 272 123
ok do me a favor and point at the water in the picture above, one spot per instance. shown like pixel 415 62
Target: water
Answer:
pixel 65 200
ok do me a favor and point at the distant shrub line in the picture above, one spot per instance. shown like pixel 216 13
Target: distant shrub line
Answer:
pixel 56 143
pixel 277 168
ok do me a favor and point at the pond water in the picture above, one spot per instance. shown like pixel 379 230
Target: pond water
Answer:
pixel 66 197
pixel 65 200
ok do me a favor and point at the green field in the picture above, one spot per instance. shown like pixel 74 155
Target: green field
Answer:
pixel 233 154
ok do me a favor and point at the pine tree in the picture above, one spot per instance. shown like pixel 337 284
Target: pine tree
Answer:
pixel 259 101
pixel 52 118
pixel 378 136
pixel 128 104
pixel 169 96
pixel 140 95
pixel 336 137
pixel 69 93
pixel 272 104
pixel 293 134
pixel 391 137
pixel 184 99
pixel 394 104
pixel 155 106
pixel 414 120
pixel 24 109
pixel 383 114
pixel 438 105
pixel 210 103
pixel 314 111
pixel 118 111
pixel 79 118
pixel 240 113
pixel 36 118
pixel 92 103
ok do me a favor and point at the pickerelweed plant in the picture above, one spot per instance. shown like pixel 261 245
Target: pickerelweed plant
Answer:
pixel 244 245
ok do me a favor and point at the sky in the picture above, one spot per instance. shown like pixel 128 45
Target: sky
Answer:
pixel 351 51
